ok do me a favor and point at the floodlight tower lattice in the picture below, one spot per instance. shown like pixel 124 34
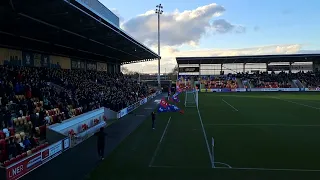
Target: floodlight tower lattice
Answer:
pixel 159 11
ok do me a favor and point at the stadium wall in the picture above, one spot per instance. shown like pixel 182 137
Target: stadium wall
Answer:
pixel 32 59
pixel 10 55
pixel 63 62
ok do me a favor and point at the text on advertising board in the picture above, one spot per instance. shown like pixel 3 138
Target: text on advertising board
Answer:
pixel 52 151
pixel 23 167
pixel 189 69
pixel 28 164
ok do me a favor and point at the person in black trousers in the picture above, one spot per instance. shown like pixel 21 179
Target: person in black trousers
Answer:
pixel 101 142
pixel 153 115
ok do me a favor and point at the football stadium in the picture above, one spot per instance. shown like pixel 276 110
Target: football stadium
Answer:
pixel 233 117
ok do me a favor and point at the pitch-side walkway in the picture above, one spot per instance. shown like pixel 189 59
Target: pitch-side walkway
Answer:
pixel 79 161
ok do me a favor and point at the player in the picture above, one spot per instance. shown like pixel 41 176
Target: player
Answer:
pixel 101 141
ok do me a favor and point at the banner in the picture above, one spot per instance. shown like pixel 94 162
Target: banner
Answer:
pixel 215 90
pixel 102 66
pixel 21 168
pixel 130 108
pixel 45 61
pixel 91 66
pixel 77 64
pixel 225 90
pixel 37 60
pixel 260 90
pixel 312 89
pixel 27 59
pixel 278 67
pixel 123 112
pixel 189 69
pixel 143 101
pixel 51 152
pixel 307 67
pixel 66 144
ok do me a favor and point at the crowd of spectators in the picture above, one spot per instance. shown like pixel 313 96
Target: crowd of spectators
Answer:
pixel 281 80
pixel 265 80
pixel 309 79
pixel 28 102
pixel 222 81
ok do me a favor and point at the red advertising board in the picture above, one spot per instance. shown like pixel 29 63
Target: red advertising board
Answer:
pixel 28 164
pixel 21 168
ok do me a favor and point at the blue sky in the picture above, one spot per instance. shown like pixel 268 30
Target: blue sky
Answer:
pixel 276 23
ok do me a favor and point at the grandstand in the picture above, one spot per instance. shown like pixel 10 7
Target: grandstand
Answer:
pixel 263 71
pixel 59 64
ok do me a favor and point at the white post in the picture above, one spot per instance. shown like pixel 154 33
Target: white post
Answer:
pixel 212 151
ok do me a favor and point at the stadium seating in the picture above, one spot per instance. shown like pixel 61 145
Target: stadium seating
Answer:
pixel 228 81
pixel 28 103
pixel 265 80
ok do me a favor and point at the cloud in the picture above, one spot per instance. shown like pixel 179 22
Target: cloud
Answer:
pixel 256 28
pixel 169 54
pixel 117 13
pixel 179 28
pixel 309 52
pixel 222 26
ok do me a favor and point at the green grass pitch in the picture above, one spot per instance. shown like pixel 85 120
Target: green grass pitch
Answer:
pixel 259 135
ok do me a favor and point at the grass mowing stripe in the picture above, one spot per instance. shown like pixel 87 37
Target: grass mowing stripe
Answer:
pixel 205 138
pixel 158 146
pixel 297 103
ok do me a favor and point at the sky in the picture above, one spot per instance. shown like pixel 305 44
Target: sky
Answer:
pixel 219 28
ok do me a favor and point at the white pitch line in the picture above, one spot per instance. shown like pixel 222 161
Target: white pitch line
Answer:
pixel 181 167
pixel 244 169
pixel 289 125
pixel 205 137
pixel 230 105
pixel 228 166
pixel 297 103
pixel 159 143
pixel 271 169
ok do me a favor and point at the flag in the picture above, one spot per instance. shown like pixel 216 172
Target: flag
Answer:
pixel 166 107
pixel 175 98
pixel 163 106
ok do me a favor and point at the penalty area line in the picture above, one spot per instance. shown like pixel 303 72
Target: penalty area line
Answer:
pixel 230 105
pixel 241 169
pixel 225 164
pixel 159 143
pixel 285 125
pixel 300 104
pixel 205 138
pixel 270 169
